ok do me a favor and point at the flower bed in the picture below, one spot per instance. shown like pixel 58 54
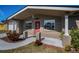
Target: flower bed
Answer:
pixel 13 36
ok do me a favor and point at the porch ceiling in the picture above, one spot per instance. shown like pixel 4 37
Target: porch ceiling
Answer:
pixel 23 15
pixel 29 12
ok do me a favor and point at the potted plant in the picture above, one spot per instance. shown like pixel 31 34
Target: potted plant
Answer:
pixel 36 17
pixel 38 40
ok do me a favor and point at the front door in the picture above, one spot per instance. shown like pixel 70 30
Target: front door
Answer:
pixel 36 26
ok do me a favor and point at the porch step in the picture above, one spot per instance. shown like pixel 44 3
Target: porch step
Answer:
pixel 53 42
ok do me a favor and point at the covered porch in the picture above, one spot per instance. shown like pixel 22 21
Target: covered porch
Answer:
pixel 57 16
pixel 60 18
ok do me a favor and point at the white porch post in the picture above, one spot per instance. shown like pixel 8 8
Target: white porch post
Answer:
pixel 67 38
pixel 66 26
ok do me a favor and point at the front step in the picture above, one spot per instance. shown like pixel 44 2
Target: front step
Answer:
pixel 53 42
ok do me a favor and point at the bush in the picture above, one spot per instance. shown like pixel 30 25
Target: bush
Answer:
pixel 38 42
pixel 13 36
pixel 75 38
pixel 68 48
pixel 61 35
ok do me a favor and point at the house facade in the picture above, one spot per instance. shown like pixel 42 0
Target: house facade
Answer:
pixel 51 21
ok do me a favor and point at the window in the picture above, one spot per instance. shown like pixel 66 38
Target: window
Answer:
pixel 28 25
pixel 12 25
pixel 49 24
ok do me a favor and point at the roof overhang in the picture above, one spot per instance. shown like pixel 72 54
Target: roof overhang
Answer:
pixel 65 9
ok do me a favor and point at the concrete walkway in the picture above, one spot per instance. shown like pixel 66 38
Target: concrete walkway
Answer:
pixel 6 46
pixel 50 41
pixel 53 41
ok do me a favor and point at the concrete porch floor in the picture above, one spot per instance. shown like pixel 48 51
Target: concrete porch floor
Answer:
pixel 46 33
pixel 50 33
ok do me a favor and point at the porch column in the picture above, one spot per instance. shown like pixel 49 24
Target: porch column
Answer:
pixel 66 26
pixel 66 38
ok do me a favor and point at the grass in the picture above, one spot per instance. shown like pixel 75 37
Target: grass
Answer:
pixel 31 48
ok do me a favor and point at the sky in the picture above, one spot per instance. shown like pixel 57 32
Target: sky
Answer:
pixel 8 10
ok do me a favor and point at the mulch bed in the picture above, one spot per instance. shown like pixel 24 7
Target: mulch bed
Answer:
pixel 10 41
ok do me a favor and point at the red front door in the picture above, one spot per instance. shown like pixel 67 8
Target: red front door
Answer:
pixel 37 26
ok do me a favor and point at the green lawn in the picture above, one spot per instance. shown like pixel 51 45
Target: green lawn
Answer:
pixel 31 48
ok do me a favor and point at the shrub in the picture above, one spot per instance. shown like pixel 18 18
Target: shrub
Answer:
pixel 13 36
pixel 68 48
pixel 38 42
pixel 61 35
pixel 75 38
